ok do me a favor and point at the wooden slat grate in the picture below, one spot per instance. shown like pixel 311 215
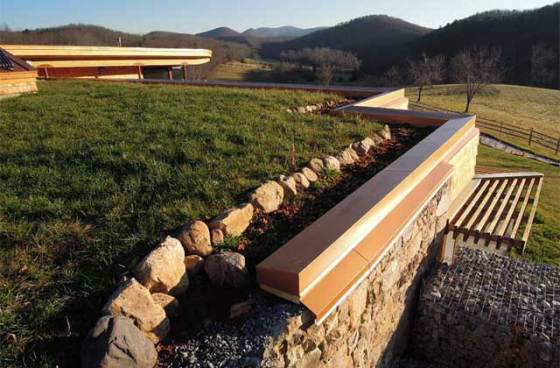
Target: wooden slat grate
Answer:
pixel 497 213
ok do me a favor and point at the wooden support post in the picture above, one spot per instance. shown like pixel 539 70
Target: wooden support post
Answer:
pixel 530 136
pixel 185 75
pixel 139 71
pixel 170 73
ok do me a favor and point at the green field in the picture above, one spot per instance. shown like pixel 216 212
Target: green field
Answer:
pixel 544 242
pixel 238 71
pixel 525 107
pixel 93 174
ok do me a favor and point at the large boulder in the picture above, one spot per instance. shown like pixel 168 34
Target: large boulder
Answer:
pixel 235 221
pixel 301 180
pixel 116 342
pixel 268 197
pixel 134 301
pixel 386 132
pixel 317 166
pixel 194 264
pixel 289 185
pixel 196 239
pixel 347 157
pixel 309 174
pixel 331 163
pixel 169 303
pixel 227 269
pixel 163 270
pixel 362 147
pixel 217 236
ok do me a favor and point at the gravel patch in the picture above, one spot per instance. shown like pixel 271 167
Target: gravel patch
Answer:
pixel 231 344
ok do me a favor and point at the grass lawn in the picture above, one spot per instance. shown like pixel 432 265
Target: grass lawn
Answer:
pixel 237 71
pixel 93 174
pixel 544 242
pixel 525 107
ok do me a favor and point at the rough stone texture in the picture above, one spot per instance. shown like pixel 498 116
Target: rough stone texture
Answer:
pixel 289 184
pixel 163 270
pixel 317 166
pixel 362 147
pixel 227 268
pixel 134 301
pixel 331 163
pixel 386 132
pixel 116 342
pixel 368 329
pixel 169 303
pixel 301 180
pixel 196 239
pixel 268 197
pixel 229 345
pixel 347 157
pixel 489 311
pixel 217 237
pixel 310 174
pixel 464 163
pixel 194 264
pixel 354 334
pixel 235 221
pixel 15 88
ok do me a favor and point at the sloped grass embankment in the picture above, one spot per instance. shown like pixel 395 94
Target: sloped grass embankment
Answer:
pixel 93 174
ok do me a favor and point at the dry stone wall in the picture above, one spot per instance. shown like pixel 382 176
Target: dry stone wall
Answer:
pixel 464 162
pixel 16 88
pixel 370 328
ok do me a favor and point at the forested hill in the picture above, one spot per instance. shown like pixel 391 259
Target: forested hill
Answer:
pixel 522 37
pixel 527 40
pixel 373 39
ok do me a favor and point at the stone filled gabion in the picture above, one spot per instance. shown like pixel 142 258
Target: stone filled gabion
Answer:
pixel 490 310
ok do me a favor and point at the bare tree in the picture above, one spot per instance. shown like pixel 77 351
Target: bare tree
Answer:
pixel 476 68
pixel 325 74
pixel 392 77
pixel 426 71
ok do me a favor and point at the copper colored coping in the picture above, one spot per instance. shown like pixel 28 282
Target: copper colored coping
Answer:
pixel 294 267
pixel 348 273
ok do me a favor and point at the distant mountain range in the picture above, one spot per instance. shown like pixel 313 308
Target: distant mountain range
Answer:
pixel 379 41
pixel 372 38
pixel 262 32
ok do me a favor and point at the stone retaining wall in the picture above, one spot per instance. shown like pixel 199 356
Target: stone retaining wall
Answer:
pixel 370 328
pixel 15 88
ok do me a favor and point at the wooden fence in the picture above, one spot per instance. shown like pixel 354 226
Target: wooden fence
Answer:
pixel 532 136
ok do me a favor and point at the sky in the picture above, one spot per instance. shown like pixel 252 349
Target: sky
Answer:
pixel 193 16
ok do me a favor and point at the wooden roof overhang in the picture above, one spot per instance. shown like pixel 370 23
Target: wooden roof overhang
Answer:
pixel 48 56
pixel 326 261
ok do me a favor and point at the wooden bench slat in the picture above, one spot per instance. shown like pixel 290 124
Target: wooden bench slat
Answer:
pixel 471 204
pixel 521 212
pixel 527 231
pixel 487 211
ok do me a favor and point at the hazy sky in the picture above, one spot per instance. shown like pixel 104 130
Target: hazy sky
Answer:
pixel 192 16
